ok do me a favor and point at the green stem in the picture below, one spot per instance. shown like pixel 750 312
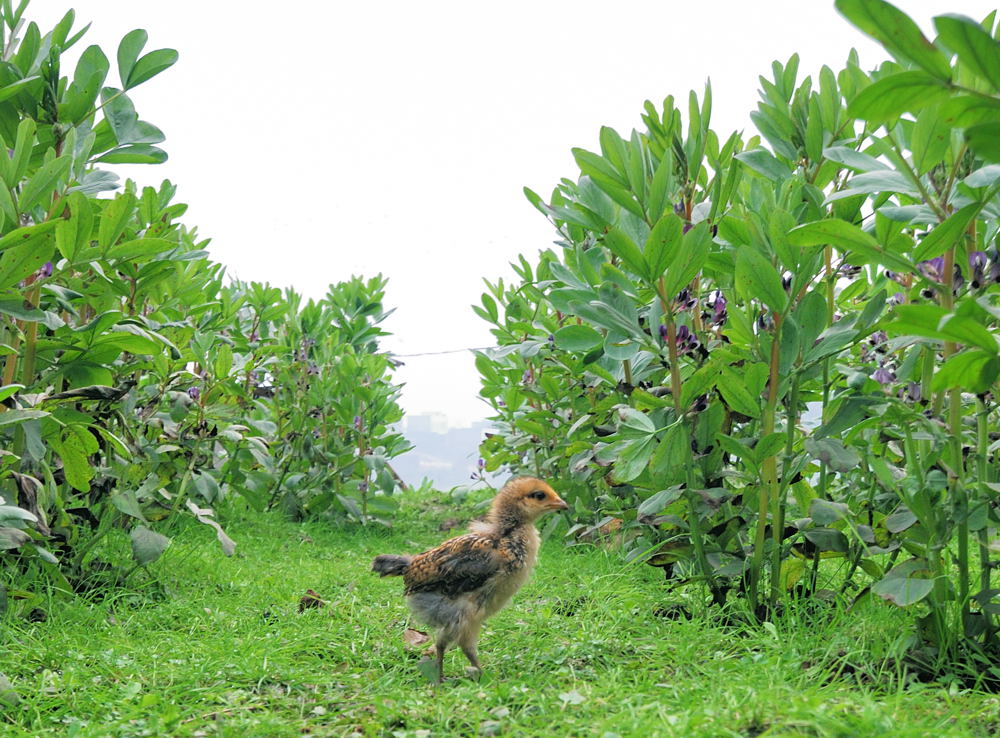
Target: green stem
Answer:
pixel 179 495
pixel 961 503
pixel 28 361
pixel 946 190
pixel 927 373
pixel 895 154
pixel 779 502
pixel 103 528
pixel 831 280
pixel 362 450
pixel 982 450
pixel 30 340
pixel 957 489
pixel 675 372
pixel 277 485
pixel 769 471
pixel 697 539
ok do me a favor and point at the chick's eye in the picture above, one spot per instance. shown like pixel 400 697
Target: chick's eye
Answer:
pixel 537 495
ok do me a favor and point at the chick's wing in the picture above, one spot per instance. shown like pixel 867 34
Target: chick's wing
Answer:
pixel 463 564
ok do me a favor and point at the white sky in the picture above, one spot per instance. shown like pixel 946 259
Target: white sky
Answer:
pixel 314 141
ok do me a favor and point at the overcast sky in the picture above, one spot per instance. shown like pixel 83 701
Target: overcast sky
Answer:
pixel 314 141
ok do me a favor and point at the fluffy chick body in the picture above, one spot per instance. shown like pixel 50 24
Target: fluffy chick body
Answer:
pixel 457 585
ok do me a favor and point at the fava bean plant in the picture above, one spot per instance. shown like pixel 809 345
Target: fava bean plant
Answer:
pixel 138 386
pixel 769 363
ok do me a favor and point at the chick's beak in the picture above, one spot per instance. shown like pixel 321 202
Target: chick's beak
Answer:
pixel 557 504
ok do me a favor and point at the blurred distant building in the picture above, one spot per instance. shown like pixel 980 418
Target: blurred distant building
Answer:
pixel 427 423
pixel 446 456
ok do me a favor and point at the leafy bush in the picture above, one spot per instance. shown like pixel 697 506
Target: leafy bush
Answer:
pixel 757 356
pixel 136 385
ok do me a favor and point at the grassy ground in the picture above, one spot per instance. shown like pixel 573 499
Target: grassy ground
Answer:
pixel 217 647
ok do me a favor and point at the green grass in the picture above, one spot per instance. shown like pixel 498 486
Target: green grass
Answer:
pixel 217 647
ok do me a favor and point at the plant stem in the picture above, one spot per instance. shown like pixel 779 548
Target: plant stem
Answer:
pixel 697 539
pixel 281 478
pixel 956 488
pixel 675 372
pixel 769 470
pixel 961 498
pixel 778 512
pixel 10 366
pixel 28 361
pixel 982 450
pixel 179 494
pixel 831 280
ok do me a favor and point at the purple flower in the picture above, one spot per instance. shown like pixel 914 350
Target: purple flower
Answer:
pixel 700 404
pixel 898 299
pixel 687 227
pixel 877 338
pixel 686 340
pixel 994 273
pixel 684 300
pixel 911 393
pixel 717 304
pixel 884 376
pixel 663 332
pixel 46 270
pixel 933 269
pixel 194 393
pixel 481 463
pixel 357 423
pixel 977 265
pixel 894 276
pixel 849 270
pixel 363 486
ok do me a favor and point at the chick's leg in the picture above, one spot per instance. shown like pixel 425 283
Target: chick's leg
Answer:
pixel 468 640
pixel 445 637
pixel 441 648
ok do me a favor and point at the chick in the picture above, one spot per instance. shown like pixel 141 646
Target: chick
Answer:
pixel 456 586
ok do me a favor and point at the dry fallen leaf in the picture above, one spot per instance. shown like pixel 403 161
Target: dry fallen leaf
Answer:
pixel 7 694
pixel 490 727
pixel 572 698
pixel 415 638
pixel 428 667
pixel 310 599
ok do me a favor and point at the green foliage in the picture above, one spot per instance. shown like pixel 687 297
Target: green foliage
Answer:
pixel 765 357
pixel 136 386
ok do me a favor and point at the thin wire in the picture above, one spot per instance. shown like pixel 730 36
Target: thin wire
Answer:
pixel 439 353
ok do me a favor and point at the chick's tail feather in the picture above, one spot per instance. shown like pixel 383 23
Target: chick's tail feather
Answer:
pixel 391 565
